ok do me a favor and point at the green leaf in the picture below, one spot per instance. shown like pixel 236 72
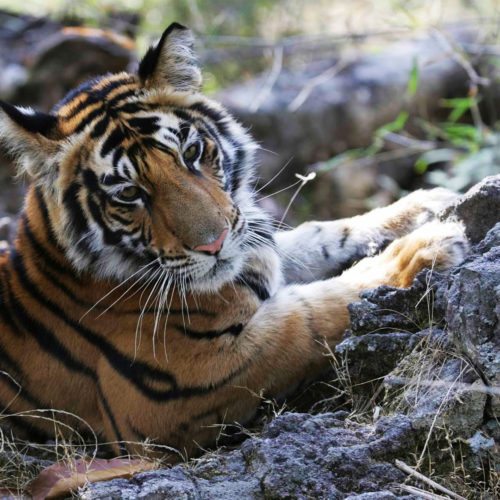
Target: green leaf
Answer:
pixel 434 156
pixel 414 78
pixel 459 106
pixel 341 159
pixel 394 126
pixel 463 135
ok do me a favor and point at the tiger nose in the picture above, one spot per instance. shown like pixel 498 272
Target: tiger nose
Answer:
pixel 215 246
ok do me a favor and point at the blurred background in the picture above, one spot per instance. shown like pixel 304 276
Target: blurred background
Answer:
pixel 377 98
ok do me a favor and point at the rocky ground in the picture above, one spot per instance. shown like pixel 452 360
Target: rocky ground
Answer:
pixel 427 361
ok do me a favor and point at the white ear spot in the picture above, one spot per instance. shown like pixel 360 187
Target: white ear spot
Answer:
pixel 25 111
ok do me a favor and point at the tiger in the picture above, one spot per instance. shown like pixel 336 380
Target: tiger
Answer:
pixel 147 293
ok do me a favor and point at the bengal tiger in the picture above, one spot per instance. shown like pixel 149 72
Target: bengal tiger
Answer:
pixel 147 292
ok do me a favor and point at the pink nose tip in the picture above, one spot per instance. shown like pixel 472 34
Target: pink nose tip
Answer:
pixel 215 246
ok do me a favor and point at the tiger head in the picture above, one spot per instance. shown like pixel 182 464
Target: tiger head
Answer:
pixel 142 171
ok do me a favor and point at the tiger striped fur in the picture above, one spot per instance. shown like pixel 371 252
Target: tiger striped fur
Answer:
pixel 147 292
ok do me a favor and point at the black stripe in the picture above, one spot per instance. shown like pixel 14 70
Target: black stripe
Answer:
pixel 5 312
pixel 93 95
pixel 71 201
pixel 138 434
pixel 89 119
pixel 234 330
pixel 43 256
pixel 27 426
pixel 23 393
pixel 345 235
pixel 46 218
pixel 7 363
pixel 114 139
pixel 109 413
pixel 44 337
pixel 255 282
pixel 140 374
pixel 218 118
pixel 100 127
pixel 145 125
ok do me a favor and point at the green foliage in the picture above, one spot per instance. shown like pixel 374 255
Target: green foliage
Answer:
pixel 414 78
pixel 466 152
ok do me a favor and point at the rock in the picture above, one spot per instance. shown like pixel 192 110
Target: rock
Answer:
pixel 379 495
pixel 479 443
pixel 55 70
pixel 298 456
pixel 387 308
pixel 479 208
pixel 473 311
pixel 446 396
pixel 374 355
pixel 8 227
pixel 342 111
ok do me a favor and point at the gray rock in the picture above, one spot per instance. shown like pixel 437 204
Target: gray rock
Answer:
pixel 379 495
pixel 341 111
pixel 455 401
pixel 7 228
pixel 388 309
pixel 479 443
pixel 473 311
pixel 388 323
pixel 479 208
pixel 374 355
pixel 298 456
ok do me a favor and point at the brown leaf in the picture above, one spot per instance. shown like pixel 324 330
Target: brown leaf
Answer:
pixel 63 477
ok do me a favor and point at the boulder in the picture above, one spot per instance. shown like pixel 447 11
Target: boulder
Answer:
pixel 473 311
pixel 479 208
pixel 297 456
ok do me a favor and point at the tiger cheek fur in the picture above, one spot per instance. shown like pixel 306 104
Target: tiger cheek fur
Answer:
pixel 147 293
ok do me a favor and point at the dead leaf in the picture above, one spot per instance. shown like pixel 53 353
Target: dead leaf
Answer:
pixel 62 478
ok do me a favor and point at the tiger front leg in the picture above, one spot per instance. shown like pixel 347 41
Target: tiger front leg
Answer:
pixel 319 250
pixel 295 323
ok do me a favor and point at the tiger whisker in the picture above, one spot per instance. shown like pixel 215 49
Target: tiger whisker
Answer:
pixel 274 176
pixel 115 288
pixel 138 329
pixel 279 191
pixel 160 302
pixel 141 277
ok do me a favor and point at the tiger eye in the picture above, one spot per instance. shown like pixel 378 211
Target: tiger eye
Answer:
pixel 190 152
pixel 129 193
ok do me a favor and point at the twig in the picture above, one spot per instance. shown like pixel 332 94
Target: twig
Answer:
pixel 294 41
pixel 458 55
pixel 409 142
pixel 406 468
pixel 318 80
pixel 426 495
pixel 270 80
pixel 482 389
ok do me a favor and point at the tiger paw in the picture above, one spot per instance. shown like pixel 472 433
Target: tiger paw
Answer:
pixel 419 207
pixel 434 245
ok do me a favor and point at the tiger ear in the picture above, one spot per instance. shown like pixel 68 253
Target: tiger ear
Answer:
pixel 31 136
pixel 171 62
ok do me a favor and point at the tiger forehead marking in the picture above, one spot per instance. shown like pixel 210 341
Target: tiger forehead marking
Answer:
pixel 93 99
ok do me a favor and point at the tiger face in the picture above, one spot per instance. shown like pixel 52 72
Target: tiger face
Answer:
pixel 143 174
